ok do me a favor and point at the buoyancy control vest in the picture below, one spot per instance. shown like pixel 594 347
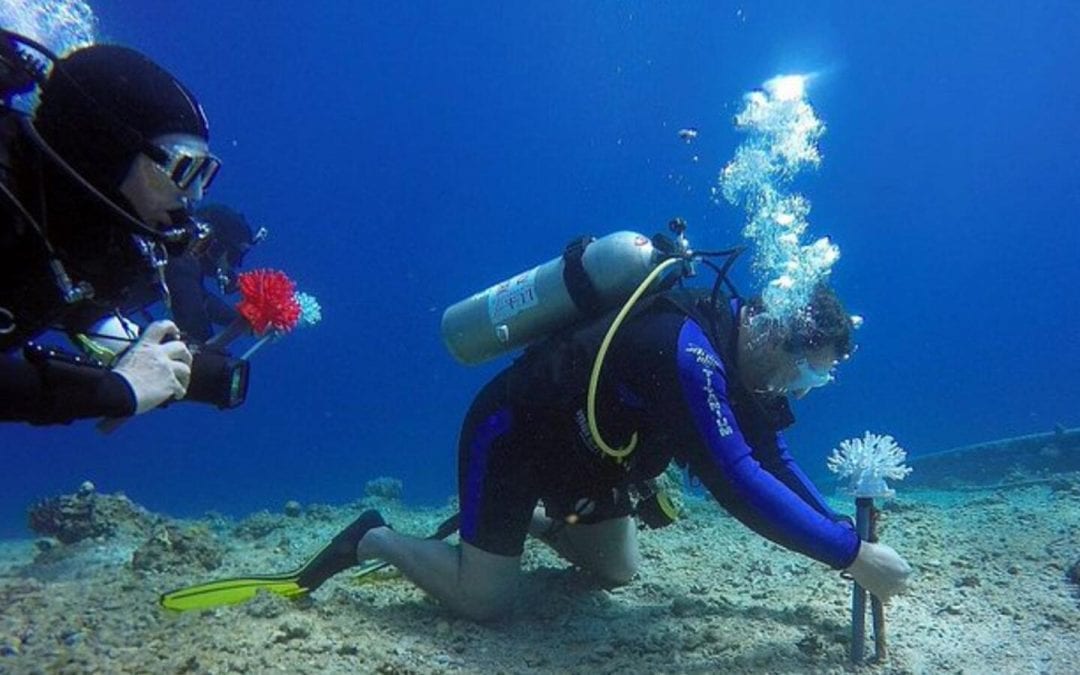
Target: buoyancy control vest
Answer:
pixel 553 375
pixel 36 291
pixel 29 300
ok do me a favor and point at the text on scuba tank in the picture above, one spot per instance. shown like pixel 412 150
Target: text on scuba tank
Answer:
pixel 512 296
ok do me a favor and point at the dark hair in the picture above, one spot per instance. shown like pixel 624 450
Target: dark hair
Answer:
pixel 825 323
pixel 822 323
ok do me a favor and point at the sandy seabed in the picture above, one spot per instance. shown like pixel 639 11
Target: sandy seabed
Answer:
pixel 992 593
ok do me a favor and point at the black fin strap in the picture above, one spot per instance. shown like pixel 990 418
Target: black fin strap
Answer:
pixel 340 553
pixel 581 289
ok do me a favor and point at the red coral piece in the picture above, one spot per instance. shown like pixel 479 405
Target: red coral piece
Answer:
pixel 269 301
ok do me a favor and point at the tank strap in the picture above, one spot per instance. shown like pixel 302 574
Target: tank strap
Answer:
pixel 581 289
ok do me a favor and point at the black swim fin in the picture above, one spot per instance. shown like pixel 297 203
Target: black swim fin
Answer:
pixel 340 553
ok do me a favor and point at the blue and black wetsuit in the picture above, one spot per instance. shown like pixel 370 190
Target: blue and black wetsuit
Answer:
pixel 526 436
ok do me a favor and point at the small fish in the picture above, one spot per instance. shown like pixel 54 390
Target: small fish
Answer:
pixel 688 134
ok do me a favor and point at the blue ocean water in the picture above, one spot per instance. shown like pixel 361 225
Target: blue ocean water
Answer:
pixel 404 156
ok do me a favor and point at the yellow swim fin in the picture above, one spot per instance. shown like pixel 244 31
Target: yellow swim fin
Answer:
pixel 231 591
pixel 338 555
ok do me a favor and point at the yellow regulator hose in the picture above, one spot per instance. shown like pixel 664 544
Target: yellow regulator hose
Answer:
pixel 617 453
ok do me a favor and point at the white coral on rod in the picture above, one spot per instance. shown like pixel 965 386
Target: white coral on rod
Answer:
pixel 868 461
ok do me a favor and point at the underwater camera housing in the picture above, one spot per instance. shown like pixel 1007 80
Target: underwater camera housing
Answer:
pixel 217 378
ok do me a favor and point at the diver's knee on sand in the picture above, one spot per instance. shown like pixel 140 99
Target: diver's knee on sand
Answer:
pixel 616 568
pixel 616 572
pixel 607 549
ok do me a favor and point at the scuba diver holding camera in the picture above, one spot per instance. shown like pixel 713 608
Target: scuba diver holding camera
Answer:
pixel 96 193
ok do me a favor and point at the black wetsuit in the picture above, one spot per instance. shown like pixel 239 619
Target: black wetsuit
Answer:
pixel 195 309
pixel 39 389
pixel 526 437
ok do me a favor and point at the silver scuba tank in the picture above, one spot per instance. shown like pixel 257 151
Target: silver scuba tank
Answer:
pixel 589 279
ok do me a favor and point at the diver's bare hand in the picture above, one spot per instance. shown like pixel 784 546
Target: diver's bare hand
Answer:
pixel 157 367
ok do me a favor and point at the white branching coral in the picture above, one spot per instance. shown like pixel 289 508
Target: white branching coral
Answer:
pixel 868 461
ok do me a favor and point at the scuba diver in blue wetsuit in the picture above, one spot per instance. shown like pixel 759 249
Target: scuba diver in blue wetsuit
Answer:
pixel 598 407
pixel 701 383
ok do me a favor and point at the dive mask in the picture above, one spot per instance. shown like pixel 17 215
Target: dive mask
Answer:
pixel 809 377
pixel 186 163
